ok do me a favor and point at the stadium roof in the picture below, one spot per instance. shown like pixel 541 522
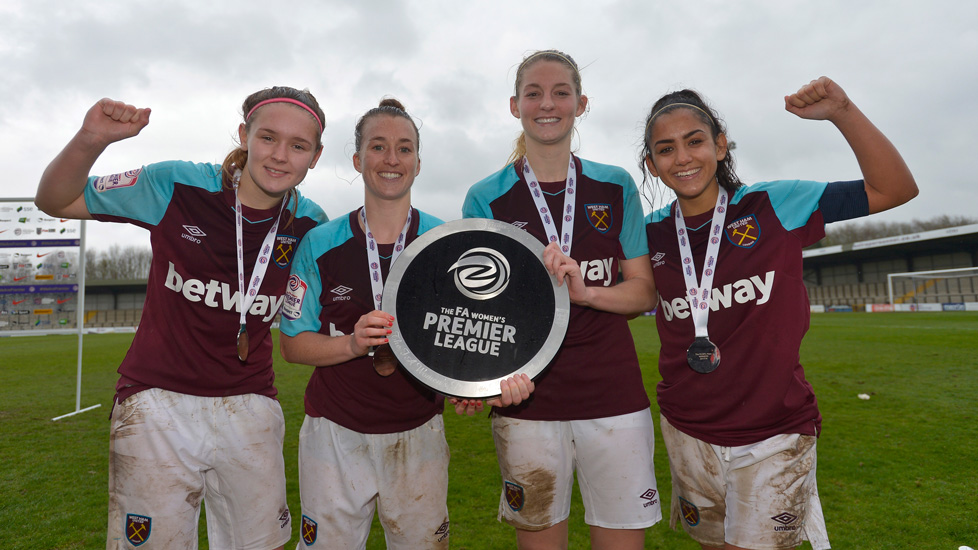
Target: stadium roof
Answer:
pixel 939 241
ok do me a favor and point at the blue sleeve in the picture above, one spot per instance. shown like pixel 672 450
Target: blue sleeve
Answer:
pixel 634 241
pixel 309 209
pixel 143 195
pixel 427 222
pixel 794 201
pixel 301 309
pixel 474 207
pixel 482 194
pixel 844 200
pixel 657 216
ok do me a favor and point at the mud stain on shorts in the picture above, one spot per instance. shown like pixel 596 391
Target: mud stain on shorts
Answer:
pixel 131 418
pixel 194 498
pixel 540 486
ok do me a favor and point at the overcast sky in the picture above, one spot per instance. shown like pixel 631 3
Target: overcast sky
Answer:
pixel 911 66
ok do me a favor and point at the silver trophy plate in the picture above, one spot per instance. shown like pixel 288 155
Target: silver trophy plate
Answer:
pixel 473 304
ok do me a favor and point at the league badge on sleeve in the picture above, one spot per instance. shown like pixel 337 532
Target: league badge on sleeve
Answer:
pixel 295 292
pixel 117 181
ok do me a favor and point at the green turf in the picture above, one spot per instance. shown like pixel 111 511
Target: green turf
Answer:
pixel 895 471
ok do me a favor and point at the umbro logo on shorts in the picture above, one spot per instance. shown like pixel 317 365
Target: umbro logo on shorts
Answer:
pixel 443 531
pixel 284 518
pixel 786 520
pixel 650 496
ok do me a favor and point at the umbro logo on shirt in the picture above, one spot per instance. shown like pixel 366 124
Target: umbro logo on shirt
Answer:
pixel 341 293
pixel 520 225
pixel 192 234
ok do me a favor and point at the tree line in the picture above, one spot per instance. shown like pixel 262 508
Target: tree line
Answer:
pixel 118 262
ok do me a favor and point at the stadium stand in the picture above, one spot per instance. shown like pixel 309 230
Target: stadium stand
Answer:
pixel 855 275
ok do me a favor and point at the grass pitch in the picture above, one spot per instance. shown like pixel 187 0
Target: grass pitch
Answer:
pixel 895 471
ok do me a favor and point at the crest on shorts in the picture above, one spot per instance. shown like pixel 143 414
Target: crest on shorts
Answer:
pixel 514 496
pixel 138 529
pixel 599 216
pixel 691 514
pixel 309 530
pixel 744 232
pixel 284 249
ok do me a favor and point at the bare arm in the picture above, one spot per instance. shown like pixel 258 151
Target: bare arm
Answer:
pixel 636 294
pixel 61 189
pixel 887 178
pixel 323 350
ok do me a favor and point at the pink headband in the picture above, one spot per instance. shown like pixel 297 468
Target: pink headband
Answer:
pixel 287 100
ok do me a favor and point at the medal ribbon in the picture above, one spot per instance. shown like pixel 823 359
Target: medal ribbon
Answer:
pixel 373 254
pixel 261 262
pixel 699 294
pixel 546 217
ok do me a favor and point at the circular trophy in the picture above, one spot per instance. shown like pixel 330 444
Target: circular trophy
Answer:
pixel 474 304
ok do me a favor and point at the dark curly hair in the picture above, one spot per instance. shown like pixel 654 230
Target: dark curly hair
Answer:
pixel 690 100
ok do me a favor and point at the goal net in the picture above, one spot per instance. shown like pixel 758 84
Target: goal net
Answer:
pixel 936 286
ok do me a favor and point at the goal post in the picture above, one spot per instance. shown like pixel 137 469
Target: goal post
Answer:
pixel 42 277
pixel 939 285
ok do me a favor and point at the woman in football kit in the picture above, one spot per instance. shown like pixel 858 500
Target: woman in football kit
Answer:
pixel 195 416
pixel 739 419
pixel 590 412
pixel 373 436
